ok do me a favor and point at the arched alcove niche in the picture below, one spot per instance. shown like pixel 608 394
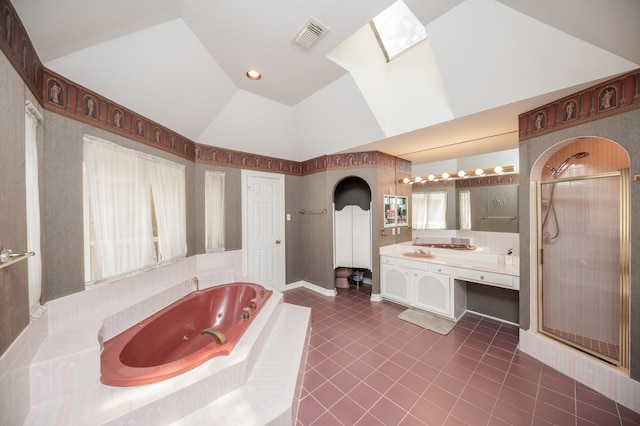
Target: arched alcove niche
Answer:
pixel 352 244
pixel 604 156
pixel 352 191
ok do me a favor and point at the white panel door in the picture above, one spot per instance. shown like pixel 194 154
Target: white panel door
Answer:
pixel 343 239
pixel 263 228
pixel 361 223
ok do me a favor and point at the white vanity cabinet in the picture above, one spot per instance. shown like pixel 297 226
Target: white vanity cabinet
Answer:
pixel 422 285
pixel 395 282
pixel 432 290
pixel 438 283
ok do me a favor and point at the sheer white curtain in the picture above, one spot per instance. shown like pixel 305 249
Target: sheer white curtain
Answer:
pixel 429 210
pixel 168 186
pixel 34 263
pixel 465 209
pixel 119 190
pixel 214 210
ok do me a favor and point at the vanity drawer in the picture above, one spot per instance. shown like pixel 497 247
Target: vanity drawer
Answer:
pixel 440 269
pixel 488 278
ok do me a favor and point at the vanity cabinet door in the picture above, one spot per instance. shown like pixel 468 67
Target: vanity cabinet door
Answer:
pixel 395 283
pixel 432 292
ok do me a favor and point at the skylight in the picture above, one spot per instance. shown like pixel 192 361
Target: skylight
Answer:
pixel 397 29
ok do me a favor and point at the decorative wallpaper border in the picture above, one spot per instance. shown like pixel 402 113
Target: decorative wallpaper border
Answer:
pixel 493 180
pixel 428 185
pixel 17 47
pixel 472 182
pixel 613 97
pixel 65 97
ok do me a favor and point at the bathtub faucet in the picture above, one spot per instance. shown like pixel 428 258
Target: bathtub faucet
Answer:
pixel 245 312
pixel 197 283
pixel 217 335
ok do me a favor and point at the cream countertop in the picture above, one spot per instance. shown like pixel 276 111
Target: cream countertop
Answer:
pixel 469 259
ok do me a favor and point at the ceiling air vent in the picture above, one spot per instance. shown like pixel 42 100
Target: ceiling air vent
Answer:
pixel 310 33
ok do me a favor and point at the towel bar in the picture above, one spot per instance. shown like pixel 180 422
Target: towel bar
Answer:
pixel 7 257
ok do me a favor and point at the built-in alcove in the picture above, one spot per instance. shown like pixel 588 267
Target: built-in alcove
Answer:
pixel 352 248
pixel 352 191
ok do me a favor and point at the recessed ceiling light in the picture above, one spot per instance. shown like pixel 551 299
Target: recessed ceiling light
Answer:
pixel 254 75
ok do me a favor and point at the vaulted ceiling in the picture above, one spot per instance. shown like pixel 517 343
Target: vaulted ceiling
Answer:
pixel 182 63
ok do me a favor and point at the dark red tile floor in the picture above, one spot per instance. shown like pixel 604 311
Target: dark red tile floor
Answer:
pixel 367 367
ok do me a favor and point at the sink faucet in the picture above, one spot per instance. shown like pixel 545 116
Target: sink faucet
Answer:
pixel 197 283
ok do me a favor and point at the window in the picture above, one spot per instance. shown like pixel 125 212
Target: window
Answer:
pixel 214 211
pixel 464 201
pixel 397 29
pixel 429 210
pixel 131 199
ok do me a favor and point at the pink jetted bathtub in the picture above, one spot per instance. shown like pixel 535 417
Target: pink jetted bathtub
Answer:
pixel 185 334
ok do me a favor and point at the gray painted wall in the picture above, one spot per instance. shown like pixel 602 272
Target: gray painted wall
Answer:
pixel 14 296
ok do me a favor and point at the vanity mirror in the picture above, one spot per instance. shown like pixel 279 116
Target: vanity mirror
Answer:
pixel 473 204
pixel 490 207
pixel 481 196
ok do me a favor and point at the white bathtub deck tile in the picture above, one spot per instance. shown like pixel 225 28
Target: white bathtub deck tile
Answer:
pixel 269 394
pixel 73 339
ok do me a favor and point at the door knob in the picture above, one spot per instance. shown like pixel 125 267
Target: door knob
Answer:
pixel 277 241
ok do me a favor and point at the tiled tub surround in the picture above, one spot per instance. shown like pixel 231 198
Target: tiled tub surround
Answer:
pixel 51 373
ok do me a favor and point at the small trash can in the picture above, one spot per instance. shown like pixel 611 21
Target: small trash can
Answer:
pixel 357 277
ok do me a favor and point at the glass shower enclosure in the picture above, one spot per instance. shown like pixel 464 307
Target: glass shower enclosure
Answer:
pixel 583 263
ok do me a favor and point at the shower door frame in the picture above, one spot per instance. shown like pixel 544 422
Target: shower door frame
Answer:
pixel 623 362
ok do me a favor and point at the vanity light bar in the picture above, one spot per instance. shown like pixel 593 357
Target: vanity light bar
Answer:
pixel 462 174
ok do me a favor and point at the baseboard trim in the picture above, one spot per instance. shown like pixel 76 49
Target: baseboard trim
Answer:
pixel 312 287
pixel 376 298
pixel 489 316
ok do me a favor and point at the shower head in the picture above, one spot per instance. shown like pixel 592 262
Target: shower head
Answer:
pixel 565 163
pixel 578 155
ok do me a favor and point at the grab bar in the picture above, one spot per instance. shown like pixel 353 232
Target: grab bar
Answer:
pixel 7 257
pixel 500 217
pixel 323 211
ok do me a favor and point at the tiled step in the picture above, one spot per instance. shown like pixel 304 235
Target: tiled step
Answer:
pixel 272 393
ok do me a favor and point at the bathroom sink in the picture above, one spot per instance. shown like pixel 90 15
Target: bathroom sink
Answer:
pixel 418 254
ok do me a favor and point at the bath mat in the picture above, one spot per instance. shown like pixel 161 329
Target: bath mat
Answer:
pixel 426 320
